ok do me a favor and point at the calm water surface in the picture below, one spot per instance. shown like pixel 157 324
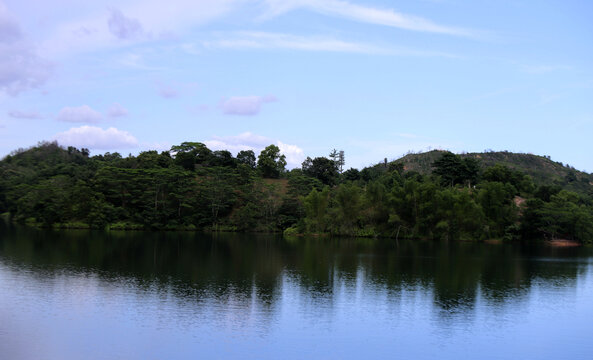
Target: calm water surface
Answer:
pixel 95 295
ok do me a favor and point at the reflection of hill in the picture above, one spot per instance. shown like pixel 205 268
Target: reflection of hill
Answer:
pixel 240 269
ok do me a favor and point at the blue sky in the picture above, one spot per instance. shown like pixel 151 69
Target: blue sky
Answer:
pixel 374 78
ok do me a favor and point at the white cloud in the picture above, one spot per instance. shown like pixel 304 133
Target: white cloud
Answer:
pixel 116 110
pixel 93 137
pixel 21 68
pixel 122 26
pixel 249 141
pixel 80 114
pixel 245 105
pixel 294 154
pixel 30 115
pixel 345 9
pixel 244 141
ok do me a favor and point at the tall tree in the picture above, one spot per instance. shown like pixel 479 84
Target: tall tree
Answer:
pixel 271 162
pixel 190 154
pixel 247 157
pixel 323 169
pixel 338 158
pixel 449 167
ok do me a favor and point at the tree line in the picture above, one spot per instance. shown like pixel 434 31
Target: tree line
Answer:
pixel 192 187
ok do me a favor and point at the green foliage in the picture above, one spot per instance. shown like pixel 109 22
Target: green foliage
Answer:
pixel 271 163
pixel 316 206
pixel 347 208
pixel 566 215
pixel 247 157
pixel 545 192
pixel 321 168
pixel 496 200
pixel 375 198
pixel 194 188
pixel 291 231
pixel 123 225
pixel 541 169
pixel 371 173
pixel 222 158
pixel 462 215
pixel 499 173
pixel 351 174
pixel 191 154
pixel 454 170
pixel 215 189
pixel 71 225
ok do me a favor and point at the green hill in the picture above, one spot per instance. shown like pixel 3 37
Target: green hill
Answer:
pixel 543 170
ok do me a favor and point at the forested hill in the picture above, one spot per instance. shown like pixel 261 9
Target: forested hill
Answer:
pixel 437 195
pixel 542 169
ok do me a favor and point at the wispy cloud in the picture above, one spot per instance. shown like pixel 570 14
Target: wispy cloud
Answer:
pixel 246 105
pixel 21 68
pixel 137 61
pixel 123 27
pixel 117 110
pixel 170 89
pixel 546 97
pixel 131 23
pixel 271 41
pixel 493 94
pixel 79 114
pixel 147 21
pixel 366 14
pixel 167 91
pixel 93 137
pixel 267 40
pixel 10 29
pixel 29 115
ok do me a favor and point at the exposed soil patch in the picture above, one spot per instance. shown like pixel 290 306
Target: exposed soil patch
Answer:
pixel 493 241
pixel 281 185
pixel 563 243
pixel 519 201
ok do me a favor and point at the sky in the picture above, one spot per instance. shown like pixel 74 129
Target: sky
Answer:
pixel 374 78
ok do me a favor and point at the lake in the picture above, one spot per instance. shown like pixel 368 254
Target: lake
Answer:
pixel 143 295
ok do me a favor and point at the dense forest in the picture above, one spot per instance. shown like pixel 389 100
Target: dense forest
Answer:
pixel 192 187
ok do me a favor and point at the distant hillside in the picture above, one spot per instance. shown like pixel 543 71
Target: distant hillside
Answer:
pixel 543 170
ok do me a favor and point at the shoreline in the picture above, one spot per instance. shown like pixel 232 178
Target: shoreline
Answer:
pixel 557 243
